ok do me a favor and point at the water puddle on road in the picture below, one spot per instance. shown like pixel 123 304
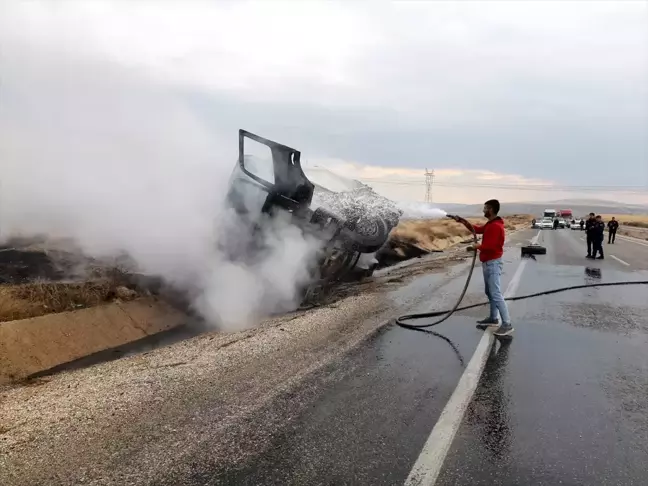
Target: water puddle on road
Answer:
pixel 621 309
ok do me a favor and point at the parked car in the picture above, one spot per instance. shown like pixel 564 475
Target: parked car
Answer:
pixel 546 223
pixel 575 225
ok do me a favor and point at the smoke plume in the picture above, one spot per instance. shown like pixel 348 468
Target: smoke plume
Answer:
pixel 413 210
pixel 120 164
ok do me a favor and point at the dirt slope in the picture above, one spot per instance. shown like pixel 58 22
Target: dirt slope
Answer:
pixel 415 237
pixel 46 321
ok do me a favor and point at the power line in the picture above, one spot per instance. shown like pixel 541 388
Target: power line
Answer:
pixel 521 187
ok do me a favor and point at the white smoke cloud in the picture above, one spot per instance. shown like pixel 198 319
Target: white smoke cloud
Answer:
pixel 413 210
pixel 116 158
pixel 120 163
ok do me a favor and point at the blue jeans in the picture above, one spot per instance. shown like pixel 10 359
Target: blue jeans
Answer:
pixel 492 274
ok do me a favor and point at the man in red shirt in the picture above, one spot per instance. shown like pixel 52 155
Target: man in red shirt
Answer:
pixel 491 250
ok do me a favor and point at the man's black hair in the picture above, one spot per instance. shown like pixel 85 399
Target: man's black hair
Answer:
pixel 591 214
pixel 494 205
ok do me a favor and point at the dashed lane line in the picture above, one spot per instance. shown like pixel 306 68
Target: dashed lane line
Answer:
pixel 620 261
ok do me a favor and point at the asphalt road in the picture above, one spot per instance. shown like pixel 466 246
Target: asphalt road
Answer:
pixel 566 402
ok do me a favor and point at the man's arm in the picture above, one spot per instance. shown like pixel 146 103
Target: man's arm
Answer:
pixel 479 229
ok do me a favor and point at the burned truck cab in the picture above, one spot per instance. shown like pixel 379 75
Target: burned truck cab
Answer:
pixel 268 183
pixel 269 179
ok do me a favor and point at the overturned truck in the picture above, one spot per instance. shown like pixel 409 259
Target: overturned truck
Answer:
pixel 268 184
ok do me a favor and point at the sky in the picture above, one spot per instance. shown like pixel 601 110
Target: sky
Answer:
pixel 515 100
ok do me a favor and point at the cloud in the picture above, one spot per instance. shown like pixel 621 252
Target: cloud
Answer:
pixel 103 154
pixel 466 186
pixel 548 90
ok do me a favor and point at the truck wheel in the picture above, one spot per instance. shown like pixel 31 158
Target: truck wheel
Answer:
pixel 367 238
pixel 533 250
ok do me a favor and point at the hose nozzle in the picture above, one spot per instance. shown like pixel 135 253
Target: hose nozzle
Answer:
pixel 455 217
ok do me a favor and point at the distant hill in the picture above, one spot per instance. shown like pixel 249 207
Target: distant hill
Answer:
pixel 580 207
pixel 326 180
pixel 599 203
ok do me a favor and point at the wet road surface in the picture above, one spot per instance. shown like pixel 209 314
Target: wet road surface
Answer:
pixel 565 403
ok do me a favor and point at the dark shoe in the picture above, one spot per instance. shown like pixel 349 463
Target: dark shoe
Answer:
pixel 600 258
pixel 483 327
pixel 504 330
pixel 487 323
pixel 590 257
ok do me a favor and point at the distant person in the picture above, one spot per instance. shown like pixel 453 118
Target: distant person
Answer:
pixel 555 223
pixel 612 226
pixel 582 224
pixel 490 254
pixel 598 235
pixel 589 224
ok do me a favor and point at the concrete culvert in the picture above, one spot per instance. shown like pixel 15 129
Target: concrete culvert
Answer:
pixel 46 321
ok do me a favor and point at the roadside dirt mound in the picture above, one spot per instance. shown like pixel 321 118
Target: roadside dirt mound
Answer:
pixel 46 321
pixel 41 298
pixel 413 238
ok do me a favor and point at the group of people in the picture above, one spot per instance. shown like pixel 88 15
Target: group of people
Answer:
pixel 595 232
pixel 491 251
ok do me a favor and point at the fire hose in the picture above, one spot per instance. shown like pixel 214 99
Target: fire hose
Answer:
pixel 446 314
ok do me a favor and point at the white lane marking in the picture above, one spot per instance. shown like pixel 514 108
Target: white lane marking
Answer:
pixel 427 467
pixel 636 241
pixel 620 261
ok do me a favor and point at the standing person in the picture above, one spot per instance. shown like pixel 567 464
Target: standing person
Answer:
pixel 612 226
pixel 582 223
pixel 555 223
pixel 491 250
pixel 589 224
pixel 598 235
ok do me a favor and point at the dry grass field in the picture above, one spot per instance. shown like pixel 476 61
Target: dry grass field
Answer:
pixel 41 298
pixel 632 220
pixel 440 234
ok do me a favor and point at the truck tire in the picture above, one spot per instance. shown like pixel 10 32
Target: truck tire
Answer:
pixel 367 238
pixel 533 250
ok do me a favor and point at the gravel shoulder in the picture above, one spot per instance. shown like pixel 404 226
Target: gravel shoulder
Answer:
pixel 121 422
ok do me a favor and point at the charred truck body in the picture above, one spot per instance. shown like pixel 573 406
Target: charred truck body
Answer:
pixel 268 184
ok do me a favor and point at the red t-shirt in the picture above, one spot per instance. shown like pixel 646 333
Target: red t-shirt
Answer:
pixel 492 245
